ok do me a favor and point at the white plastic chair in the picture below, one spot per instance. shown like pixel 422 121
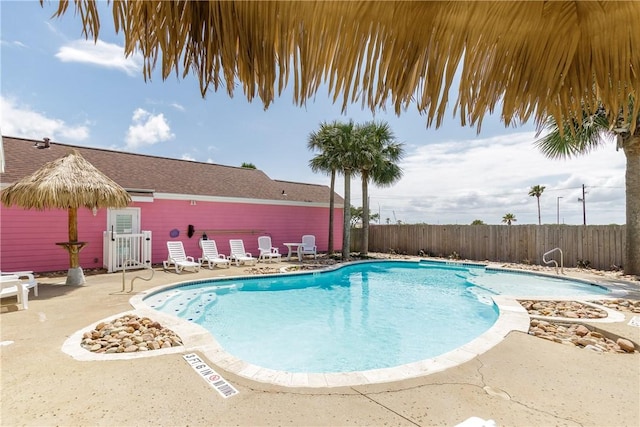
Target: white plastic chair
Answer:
pixel 238 254
pixel 211 256
pixel 268 253
pixel 308 246
pixel 178 258
pixel 11 285
pixel 28 275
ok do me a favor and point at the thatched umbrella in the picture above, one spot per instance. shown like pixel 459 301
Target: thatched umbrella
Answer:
pixel 531 59
pixel 68 183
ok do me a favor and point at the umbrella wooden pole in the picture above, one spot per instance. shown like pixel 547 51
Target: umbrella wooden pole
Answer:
pixel 74 259
pixel 75 276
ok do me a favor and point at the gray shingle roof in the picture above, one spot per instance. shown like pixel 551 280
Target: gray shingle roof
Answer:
pixel 161 174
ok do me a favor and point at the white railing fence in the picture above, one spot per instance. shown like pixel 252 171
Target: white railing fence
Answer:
pixel 122 250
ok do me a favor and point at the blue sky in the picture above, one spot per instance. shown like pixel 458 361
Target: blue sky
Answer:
pixel 56 84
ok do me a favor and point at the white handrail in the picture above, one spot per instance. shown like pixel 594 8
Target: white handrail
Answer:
pixel 544 259
pixel 124 270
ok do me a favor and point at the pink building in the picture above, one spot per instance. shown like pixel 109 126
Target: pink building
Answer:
pixel 172 199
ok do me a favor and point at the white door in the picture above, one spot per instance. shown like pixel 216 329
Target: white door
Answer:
pixel 123 239
pixel 124 221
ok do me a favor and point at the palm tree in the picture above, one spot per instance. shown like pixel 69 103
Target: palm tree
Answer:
pixel 377 154
pixel 325 141
pixel 334 140
pixel 348 164
pixel 509 218
pixel 537 191
pixel 580 137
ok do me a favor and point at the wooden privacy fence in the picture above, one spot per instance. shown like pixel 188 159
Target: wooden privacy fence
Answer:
pixel 602 246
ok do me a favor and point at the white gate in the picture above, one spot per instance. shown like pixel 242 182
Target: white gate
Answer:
pixel 126 250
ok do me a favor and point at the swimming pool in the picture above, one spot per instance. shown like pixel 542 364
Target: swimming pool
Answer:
pixel 357 317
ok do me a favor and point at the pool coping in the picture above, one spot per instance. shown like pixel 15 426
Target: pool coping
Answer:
pixel 511 317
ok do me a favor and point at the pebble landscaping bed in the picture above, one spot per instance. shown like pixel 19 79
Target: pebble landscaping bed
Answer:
pixel 128 334
pixel 568 309
pixel 621 304
pixel 576 334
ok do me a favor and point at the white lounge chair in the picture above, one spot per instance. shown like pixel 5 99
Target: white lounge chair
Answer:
pixel 11 285
pixel 476 422
pixel 268 253
pixel 28 275
pixel 308 246
pixel 178 258
pixel 238 254
pixel 211 256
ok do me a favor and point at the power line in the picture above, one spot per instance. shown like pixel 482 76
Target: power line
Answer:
pixel 466 193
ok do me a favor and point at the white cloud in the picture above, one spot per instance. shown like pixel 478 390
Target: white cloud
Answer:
pixel 52 28
pixel 147 129
pixel 457 182
pixel 177 106
pixel 14 43
pixel 107 55
pixel 21 121
pixel 187 156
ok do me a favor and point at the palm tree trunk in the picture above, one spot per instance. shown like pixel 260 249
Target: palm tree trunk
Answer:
pixel 346 225
pixel 632 186
pixel 539 217
pixel 364 248
pixel 332 203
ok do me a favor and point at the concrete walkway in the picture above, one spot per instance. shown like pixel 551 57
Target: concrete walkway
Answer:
pixel 522 381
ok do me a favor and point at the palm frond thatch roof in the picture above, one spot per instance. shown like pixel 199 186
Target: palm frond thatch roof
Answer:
pixel 531 59
pixel 68 182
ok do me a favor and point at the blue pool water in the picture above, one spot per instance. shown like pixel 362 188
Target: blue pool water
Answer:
pixel 362 316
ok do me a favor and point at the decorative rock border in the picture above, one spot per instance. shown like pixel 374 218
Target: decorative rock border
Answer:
pixel 577 334
pixel 568 309
pixel 621 304
pixel 128 334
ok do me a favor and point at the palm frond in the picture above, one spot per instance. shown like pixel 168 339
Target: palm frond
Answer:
pixel 574 137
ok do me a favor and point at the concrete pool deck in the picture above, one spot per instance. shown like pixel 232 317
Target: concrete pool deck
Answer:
pixel 521 381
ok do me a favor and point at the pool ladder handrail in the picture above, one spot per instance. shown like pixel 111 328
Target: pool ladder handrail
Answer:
pixel 553 261
pixel 124 270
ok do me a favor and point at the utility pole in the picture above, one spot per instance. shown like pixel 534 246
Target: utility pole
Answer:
pixel 584 207
pixel 558 203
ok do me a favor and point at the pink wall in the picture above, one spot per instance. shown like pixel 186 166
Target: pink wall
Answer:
pixel 28 237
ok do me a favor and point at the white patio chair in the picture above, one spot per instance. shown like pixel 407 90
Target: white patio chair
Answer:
pixel 211 256
pixel 11 285
pixel 238 254
pixel 308 246
pixel 268 253
pixel 178 258
pixel 28 275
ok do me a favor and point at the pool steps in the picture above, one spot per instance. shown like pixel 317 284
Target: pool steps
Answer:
pixel 190 304
pixel 482 295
